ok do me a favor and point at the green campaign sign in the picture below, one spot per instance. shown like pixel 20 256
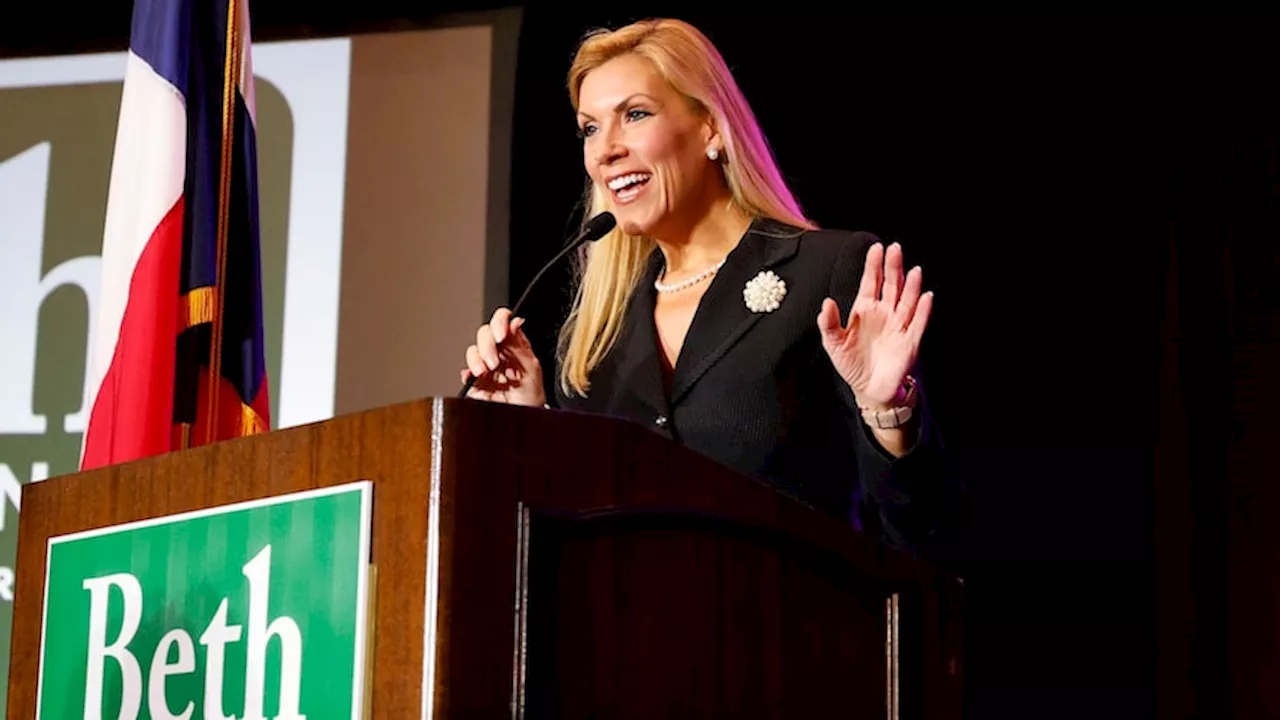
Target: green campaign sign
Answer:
pixel 248 611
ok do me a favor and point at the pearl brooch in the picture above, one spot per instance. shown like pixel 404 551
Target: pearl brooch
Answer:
pixel 764 292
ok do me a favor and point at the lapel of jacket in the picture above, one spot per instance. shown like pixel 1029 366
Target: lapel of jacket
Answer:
pixel 722 317
pixel 639 368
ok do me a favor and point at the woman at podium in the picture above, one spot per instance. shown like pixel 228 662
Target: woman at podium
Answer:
pixel 717 314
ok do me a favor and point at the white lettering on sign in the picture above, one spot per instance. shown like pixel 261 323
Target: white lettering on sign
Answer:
pixel 161 668
pixel 99 650
pixel 216 636
pixel 258 570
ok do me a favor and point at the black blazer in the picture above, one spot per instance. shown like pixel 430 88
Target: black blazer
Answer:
pixel 757 392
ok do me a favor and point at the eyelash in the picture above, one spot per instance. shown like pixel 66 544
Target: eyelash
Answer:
pixel 582 131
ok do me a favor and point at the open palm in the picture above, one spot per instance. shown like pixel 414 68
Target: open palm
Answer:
pixel 877 346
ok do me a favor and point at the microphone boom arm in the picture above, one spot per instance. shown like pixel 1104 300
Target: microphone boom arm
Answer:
pixel 595 229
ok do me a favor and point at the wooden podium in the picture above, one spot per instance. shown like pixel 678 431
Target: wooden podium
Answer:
pixel 557 565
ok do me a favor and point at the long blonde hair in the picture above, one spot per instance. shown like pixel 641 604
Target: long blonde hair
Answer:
pixel 610 268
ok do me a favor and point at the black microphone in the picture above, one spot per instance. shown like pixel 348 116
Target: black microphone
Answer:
pixel 595 229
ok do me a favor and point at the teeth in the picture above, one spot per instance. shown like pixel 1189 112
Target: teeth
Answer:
pixel 620 182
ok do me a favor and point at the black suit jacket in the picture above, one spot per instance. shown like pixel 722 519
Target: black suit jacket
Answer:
pixel 757 392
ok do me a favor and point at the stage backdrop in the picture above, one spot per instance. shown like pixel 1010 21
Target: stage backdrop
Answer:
pixel 383 167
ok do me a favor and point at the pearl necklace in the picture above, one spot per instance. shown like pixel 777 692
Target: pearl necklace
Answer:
pixel 657 284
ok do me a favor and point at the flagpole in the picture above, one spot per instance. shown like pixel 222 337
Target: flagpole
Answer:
pixel 230 80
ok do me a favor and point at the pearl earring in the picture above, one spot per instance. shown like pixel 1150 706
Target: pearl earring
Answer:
pixel 712 154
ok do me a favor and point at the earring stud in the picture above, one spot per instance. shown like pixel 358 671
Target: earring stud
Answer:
pixel 713 154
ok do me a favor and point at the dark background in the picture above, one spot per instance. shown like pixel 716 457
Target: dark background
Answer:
pixel 1095 202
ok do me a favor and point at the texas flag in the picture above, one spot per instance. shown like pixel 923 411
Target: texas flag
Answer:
pixel 177 357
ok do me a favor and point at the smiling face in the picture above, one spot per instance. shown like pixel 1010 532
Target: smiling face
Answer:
pixel 645 144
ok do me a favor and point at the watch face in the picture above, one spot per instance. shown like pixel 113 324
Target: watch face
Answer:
pixel 905 391
pixel 909 383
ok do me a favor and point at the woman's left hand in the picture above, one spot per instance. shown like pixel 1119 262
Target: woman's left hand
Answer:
pixel 876 348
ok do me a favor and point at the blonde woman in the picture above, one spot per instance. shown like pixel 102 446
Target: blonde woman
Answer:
pixel 712 312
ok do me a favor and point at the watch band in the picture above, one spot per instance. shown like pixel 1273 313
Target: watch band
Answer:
pixel 887 419
pixel 898 415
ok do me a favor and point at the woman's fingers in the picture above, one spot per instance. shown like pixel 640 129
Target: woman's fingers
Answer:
pixel 892 275
pixel 872 273
pixel 921 318
pixel 516 339
pixel 475 365
pixel 487 346
pixel 502 362
pixel 910 295
pixel 829 326
pixel 498 324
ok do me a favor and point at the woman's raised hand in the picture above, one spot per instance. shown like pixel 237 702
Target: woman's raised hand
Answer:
pixel 504 364
pixel 876 347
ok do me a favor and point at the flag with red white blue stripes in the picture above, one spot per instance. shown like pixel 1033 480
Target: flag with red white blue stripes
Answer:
pixel 177 358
